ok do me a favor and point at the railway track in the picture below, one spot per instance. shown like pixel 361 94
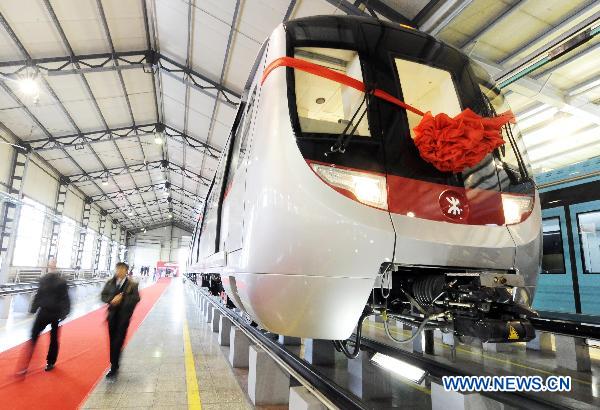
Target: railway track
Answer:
pixel 334 395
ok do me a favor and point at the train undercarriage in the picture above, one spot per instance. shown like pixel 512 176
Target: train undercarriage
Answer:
pixel 468 303
pixel 465 303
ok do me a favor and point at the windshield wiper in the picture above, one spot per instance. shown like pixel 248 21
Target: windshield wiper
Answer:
pixel 344 139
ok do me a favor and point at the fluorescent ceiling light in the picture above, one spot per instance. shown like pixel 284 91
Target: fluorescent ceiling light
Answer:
pixel 587 86
pixel 532 111
pixel 537 118
pixel 399 367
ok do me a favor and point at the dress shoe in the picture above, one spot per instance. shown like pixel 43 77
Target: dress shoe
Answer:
pixel 111 374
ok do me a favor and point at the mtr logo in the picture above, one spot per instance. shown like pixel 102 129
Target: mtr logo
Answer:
pixel 454 205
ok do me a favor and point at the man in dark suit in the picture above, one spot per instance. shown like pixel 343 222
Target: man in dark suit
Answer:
pixel 52 304
pixel 122 295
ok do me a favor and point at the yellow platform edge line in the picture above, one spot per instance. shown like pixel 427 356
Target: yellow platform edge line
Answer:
pixel 193 393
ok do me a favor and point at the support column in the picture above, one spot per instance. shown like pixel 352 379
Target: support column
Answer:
pixel 98 246
pixel 319 352
pixel 572 353
pixel 302 399
pixel 289 340
pixel 85 221
pixel 124 237
pixel 61 196
pixel 9 220
pixel 113 235
pixel 367 380
pixel 216 319
pixel 451 400
pixel 224 331
pixel 542 342
pixel 267 383
pixel 238 348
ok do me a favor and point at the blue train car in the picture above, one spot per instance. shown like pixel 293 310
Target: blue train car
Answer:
pixel 570 277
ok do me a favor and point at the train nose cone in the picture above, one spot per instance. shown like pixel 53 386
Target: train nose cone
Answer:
pixel 454 205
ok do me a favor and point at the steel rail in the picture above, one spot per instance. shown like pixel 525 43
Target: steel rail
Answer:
pixel 567 327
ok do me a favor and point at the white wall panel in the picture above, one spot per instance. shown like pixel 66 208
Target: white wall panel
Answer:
pixel 40 186
pixel 73 206
pixel 6 155
pixel 94 219
pixel 145 255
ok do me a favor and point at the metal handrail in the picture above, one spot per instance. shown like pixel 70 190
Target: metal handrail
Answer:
pixel 15 289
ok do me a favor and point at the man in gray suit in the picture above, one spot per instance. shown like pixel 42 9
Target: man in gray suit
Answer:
pixel 122 295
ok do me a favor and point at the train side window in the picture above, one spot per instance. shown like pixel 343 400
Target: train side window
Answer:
pixel 589 238
pixel 428 89
pixel 240 139
pixel 553 259
pixel 325 106
pixel 246 131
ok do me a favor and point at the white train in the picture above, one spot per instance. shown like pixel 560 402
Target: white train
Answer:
pixel 322 211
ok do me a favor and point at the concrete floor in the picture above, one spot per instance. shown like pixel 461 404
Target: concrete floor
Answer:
pixel 152 373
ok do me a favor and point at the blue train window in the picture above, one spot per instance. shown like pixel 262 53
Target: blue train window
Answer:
pixel 589 235
pixel 553 259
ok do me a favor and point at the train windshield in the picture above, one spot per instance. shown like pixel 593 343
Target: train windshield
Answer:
pixel 337 124
pixel 325 106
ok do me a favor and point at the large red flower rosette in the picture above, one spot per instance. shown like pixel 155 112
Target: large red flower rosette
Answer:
pixel 453 144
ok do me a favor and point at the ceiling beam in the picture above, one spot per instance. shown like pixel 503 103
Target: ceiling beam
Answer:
pixel 161 201
pixel 147 60
pixel 347 7
pixel 554 32
pixel 382 9
pixel 178 224
pixel 150 216
pixel 441 15
pixel 166 187
pixel 547 94
pixel 119 133
pixel 489 26
pixel 162 165
pixel 84 81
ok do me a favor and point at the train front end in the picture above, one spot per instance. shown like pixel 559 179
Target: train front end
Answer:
pixel 455 250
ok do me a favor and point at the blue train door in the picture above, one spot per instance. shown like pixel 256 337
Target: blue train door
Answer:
pixel 555 291
pixel 585 229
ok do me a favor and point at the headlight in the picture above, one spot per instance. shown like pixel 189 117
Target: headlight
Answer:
pixel 516 208
pixel 365 187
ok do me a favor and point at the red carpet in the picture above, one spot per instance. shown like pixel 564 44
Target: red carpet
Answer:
pixel 82 361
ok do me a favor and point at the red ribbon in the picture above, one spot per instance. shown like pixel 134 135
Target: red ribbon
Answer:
pixel 333 75
pixel 449 144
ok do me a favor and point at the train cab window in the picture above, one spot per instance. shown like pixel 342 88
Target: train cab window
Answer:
pixel 553 259
pixel 428 89
pixel 589 237
pixel 325 106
